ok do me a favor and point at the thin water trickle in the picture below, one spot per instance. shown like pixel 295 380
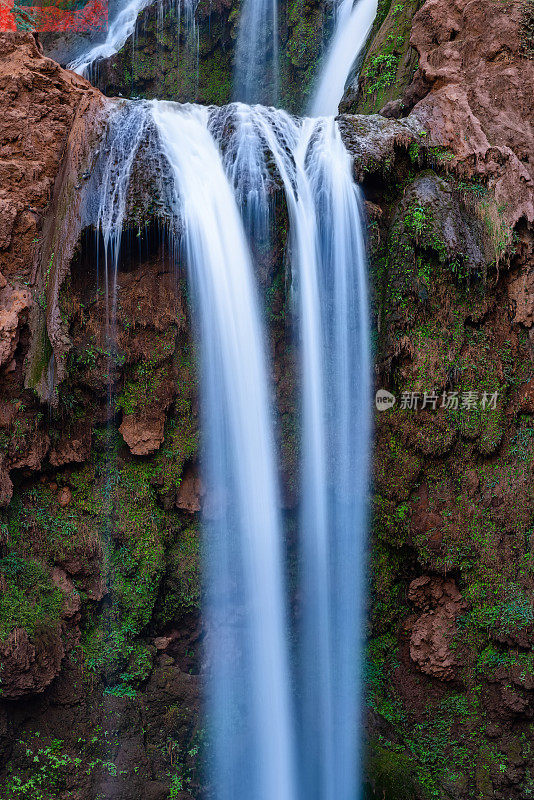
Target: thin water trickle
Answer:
pixel 124 26
pixel 257 70
pixel 354 20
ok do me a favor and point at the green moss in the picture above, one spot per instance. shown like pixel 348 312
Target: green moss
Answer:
pixel 181 589
pixel 389 773
pixel 381 660
pixel 29 599
pixel 115 507
pixel 390 62
pixel 41 356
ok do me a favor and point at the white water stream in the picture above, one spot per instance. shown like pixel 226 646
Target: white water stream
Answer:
pixel 276 732
pixel 353 25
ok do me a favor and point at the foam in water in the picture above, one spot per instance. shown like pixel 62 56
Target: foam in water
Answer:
pixel 353 25
pixel 248 695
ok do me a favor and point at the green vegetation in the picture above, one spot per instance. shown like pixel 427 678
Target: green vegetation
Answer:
pixel 390 63
pixel 28 598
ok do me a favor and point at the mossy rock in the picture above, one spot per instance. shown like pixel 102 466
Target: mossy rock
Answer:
pixel 389 774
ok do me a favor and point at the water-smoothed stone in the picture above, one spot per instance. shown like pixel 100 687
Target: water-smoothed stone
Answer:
pixel 374 141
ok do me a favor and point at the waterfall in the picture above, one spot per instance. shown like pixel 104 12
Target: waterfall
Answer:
pixel 123 27
pixel 336 436
pixel 248 699
pixel 275 732
pixel 256 71
pixel 329 273
pixel 353 25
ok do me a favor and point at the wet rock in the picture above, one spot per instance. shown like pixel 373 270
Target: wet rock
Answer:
pixel 375 141
pixel 393 109
pixel 448 228
pixel 190 492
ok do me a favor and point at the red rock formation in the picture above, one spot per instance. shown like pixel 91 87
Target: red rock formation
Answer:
pixel 480 101
pixel 38 101
pixel 433 633
pixel 28 668
pixel 143 432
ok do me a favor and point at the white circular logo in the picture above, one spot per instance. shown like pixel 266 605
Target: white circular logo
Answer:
pixel 384 400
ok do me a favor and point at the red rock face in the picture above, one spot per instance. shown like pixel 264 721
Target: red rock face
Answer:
pixel 433 633
pixel 38 101
pixel 480 102
pixel 14 308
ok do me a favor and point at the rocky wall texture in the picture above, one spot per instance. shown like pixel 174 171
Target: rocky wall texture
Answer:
pixel 452 599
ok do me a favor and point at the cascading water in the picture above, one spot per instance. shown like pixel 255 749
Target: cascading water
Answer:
pixel 353 25
pixel 336 436
pixel 328 265
pixel 248 699
pixel 256 71
pixel 223 165
pixel 124 26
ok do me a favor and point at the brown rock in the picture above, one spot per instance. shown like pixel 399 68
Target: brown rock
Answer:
pixel 38 101
pixel 143 431
pixel 513 701
pixel 433 633
pixel 32 454
pixel 6 485
pixel 64 496
pixel 480 99
pixel 27 667
pixel 162 642
pixel 72 602
pixel 71 450
pixel 521 298
pixel 190 492
pixel 526 397
pixel 14 307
